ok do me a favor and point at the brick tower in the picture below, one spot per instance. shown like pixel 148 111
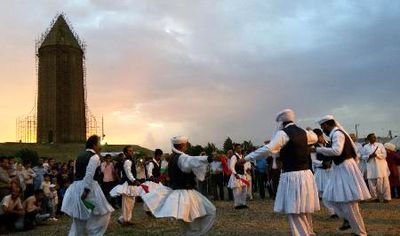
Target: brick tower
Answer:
pixel 61 92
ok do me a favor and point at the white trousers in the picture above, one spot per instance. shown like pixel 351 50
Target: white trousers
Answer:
pixel 250 187
pixel 127 208
pixel 351 212
pixel 239 196
pixel 380 188
pixel 199 226
pixel 96 225
pixel 329 206
pixel 301 224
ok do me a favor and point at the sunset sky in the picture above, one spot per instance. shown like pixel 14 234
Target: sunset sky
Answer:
pixel 212 69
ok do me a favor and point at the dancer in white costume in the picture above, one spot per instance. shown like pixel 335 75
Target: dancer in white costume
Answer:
pixel 238 180
pixel 346 186
pixel 322 171
pixel 86 190
pixel 297 193
pixel 180 200
pixel 128 187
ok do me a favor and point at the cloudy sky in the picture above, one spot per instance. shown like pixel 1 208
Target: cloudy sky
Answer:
pixel 212 69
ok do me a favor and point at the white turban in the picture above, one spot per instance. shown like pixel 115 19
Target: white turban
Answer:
pixel 285 116
pixel 179 140
pixel 325 119
pixel 390 147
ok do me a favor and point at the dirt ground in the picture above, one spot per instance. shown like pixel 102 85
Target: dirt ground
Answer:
pixel 380 219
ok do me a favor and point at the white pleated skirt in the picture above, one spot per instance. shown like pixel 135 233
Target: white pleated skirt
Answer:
pixel 237 183
pixel 132 190
pixel 186 205
pixel 346 184
pixel 297 193
pixel 321 178
pixel 73 206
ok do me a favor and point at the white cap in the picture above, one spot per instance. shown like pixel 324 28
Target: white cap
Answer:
pixel 285 116
pixel 390 146
pixel 179 140
pixel 325 119
pixel 52 186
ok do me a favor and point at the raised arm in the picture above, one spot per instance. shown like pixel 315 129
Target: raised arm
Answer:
pixel 278 141
pixel 187 163
pixel 338 139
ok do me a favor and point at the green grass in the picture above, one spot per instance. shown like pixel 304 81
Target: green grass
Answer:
pixel 380 219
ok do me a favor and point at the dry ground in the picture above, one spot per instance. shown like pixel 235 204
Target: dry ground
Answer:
pixel 381 219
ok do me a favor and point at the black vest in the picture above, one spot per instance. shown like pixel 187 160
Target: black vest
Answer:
pixel 133 170
pixel 239 168
pixel 295 155
pixel 348 150
pixel 81 164
pixel 156 169
pixel 179 179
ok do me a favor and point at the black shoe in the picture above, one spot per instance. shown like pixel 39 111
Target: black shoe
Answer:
pixel 245 207
pixel 386 201
pixel 345 226
pixel 334 216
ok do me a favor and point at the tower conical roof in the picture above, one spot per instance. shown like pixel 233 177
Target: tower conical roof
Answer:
pixel 60 34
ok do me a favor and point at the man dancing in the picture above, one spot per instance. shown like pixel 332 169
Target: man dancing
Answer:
pixel 346 186
pixel 297 193
pixel 85 191
pixel 181 201
pixel 128 187
pixel 238 179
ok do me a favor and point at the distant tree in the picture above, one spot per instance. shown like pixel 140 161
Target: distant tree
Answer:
pixel 30 155
pixel 194 150
pixel 210 148
pixel 248 146
pixel 228 144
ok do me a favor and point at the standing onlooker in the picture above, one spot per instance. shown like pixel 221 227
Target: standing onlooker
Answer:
pixel 229 155
pixel 377 170
pixel 19 176
pixel 217 178
pixel 392 158
pixel 53 202
pixel 5 179
pixel 40 171
pixel 274 171
pixel 261 169
pixel 45 186
pixel 107 168
pixel 29 174
pixel 12 170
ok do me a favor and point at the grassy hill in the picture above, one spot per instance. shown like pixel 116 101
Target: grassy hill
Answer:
pixel 61 152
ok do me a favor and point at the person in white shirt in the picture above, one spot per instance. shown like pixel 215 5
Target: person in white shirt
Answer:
pixel 374 154
pixel 217 177
pixel 84 201
pixel 362 164
pixel 346 186
pixel 180 200
pixel 127 187
pixel 238 181
pixel 297 193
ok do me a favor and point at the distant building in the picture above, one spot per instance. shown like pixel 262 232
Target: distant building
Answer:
pixel 61 108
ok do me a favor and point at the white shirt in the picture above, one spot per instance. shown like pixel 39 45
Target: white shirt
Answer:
pixel 279 140
pixel 128 170
pixel 377 167
pixel 94 162
pixel 150 167
pixel 233 162
pixel 359 148
pixel 196 164
pixel 337 140
pixel 216 166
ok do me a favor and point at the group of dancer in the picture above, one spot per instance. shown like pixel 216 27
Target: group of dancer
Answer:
pixel 297 193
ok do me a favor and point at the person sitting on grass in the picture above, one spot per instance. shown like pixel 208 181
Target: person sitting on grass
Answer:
pixel 33 209
pixel 11 210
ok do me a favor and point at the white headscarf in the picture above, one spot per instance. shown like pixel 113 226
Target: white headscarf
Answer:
pixel 390 146
pixel 285 116
pixel 338 125
pixel 178 140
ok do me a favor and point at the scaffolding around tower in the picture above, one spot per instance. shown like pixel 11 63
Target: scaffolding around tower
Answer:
pixel 27 126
